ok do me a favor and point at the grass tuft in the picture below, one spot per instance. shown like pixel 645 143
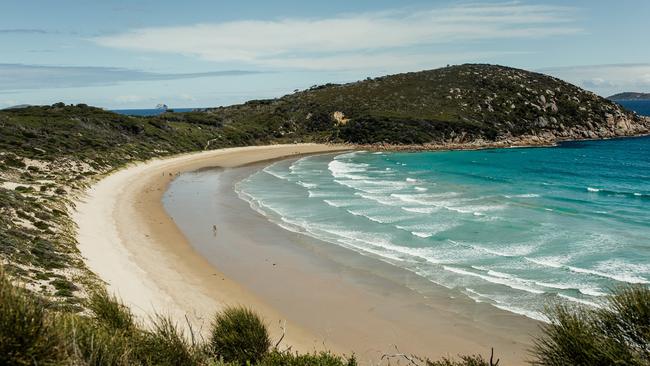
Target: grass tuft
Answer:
pixel 239 335
pixel 276 357
pixel 618 334
pixel 26 334
pixel 166 345
pixel 109 312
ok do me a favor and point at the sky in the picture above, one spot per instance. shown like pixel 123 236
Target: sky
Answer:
pixel 122 54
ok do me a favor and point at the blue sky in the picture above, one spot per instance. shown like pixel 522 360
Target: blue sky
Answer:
pixel 136 54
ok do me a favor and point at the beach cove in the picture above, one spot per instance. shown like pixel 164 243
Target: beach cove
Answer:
pixel 329 297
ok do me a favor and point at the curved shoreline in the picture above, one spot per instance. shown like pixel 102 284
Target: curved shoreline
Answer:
pixel 130 241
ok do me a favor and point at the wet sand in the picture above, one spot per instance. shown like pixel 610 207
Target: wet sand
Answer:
pixel 345 301
pixel 325 297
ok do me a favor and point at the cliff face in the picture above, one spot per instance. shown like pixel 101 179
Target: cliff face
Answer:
pixel 466 104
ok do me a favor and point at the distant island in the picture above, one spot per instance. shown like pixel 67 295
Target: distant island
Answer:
pixel 629 96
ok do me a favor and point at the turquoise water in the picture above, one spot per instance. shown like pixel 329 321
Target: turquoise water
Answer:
pixel 516 228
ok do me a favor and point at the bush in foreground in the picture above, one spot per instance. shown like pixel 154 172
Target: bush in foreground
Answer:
pixel 275 358
pixel 239 335
pixel 617 334
pixel 25 331
pixel 31 334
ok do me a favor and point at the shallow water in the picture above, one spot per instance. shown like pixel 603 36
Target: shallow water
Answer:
pixel 515 228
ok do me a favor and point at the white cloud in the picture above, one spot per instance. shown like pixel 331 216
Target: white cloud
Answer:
pixel 126 99
pixel 8 103
pixel 606 79
pixel 21 76
pixel 333 42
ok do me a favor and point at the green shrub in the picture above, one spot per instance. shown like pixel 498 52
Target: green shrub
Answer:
pixel 165 345
pixel 109 312
pixel 26 336
pixel 475 360
pixel 239 335
pixel 618 334
pixel 316 359
pixel 90 344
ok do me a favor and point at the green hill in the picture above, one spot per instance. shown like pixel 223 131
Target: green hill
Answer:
pixel 629 96
pixel 458 104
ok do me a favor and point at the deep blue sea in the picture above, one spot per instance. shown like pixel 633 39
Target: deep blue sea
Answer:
pixel 641 107
pixel 148 112
pixel 516 228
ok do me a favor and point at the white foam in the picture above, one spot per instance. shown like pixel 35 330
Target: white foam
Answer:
pixel 362 214
pixel 498 274
pixel 426 231
pixel 377 198
pixel 420 189
pixel 349 155
pixel 621 277
pixel 527 313
pixel 526 195
pixel 307 185
pixel 420 210
pixel 270 171
pixel 337 203
pixel 558 286
pixel 546 262
pixel 592 292
pixel 589 189
pixel 478 297
pixel 580 301
pixel 341 169
pixel 422 234
pixel 511 282
pixel 506 251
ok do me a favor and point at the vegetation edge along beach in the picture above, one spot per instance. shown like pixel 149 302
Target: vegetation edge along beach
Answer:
pixel 51 154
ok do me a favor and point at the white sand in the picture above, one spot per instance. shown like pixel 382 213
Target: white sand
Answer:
pixel 127 239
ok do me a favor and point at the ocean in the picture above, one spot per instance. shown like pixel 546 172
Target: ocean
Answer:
pixel 515 228
pixel 149 112
pixel 641 107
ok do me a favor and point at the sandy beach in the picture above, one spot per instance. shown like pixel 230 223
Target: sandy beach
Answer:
pixel 325 298
pixel 127 239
